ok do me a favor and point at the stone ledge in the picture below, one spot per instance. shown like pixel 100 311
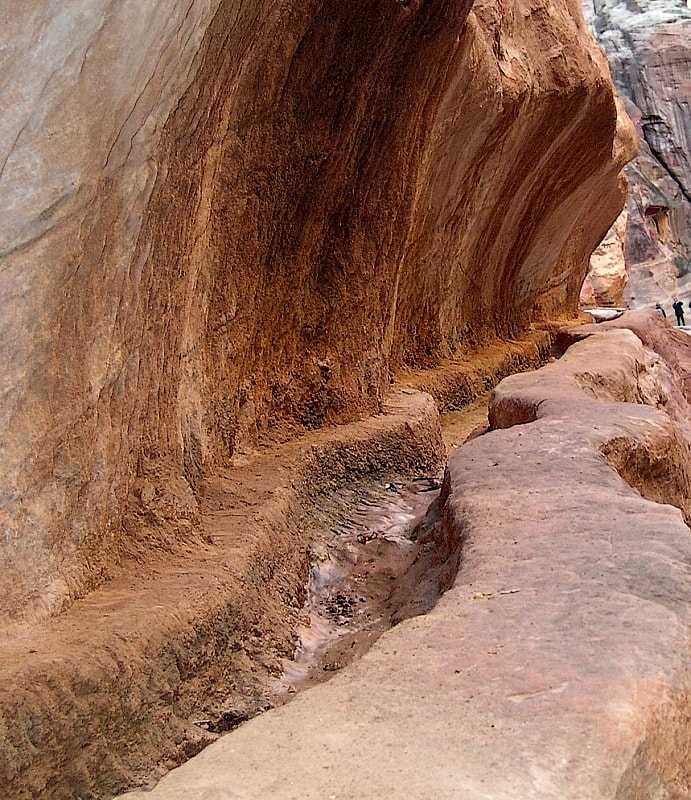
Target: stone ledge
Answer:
pixel 92 700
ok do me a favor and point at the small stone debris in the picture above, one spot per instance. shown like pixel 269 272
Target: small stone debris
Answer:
pixel 490 595
pixel 363 538
pixel 340 608
pixel 431 483
pixel 228 721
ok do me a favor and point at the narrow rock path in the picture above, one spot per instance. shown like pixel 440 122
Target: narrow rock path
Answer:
pixel 380 564
pixel 384 565
pixel 368 576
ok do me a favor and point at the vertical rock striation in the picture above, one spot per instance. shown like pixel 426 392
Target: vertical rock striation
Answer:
pixel 649 50
pixel 224 216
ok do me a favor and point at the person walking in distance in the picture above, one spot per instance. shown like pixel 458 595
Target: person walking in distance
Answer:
pixel 678 307
pixel 661 310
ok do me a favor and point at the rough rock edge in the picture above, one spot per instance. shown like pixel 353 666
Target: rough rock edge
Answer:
pixel 656 462
pixel 456 383
pixel 101 715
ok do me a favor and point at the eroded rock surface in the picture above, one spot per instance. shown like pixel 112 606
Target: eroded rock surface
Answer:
pixel 183 645
pixel 111 693
pixel 224 219
pixel 556 668
pixel 649 51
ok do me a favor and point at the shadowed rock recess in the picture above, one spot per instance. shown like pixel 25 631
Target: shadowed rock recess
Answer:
pixel 228 228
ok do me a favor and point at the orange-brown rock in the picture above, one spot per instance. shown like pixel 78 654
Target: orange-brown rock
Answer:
pixel 220 218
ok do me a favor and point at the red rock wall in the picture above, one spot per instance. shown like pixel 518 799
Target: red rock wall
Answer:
pixel 230 217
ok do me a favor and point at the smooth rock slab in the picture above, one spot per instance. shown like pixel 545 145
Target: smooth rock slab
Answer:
pixel 556 667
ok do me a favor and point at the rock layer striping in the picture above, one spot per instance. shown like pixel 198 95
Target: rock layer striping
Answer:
pixel 647 44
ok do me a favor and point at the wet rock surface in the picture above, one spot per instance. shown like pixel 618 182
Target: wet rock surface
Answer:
pixel 387 562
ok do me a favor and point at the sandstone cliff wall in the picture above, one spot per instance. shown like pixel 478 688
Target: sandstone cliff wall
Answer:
pixel 223 217
pixel 649 50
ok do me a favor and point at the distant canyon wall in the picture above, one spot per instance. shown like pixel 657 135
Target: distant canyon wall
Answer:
pixel 222 217
pixel 648 44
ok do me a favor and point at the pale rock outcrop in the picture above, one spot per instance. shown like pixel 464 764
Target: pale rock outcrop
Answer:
pixel 606 280
pixel 648 45
pixel 221 217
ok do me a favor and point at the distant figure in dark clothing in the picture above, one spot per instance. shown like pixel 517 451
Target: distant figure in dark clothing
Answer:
pixel 661 310
pixel 678 307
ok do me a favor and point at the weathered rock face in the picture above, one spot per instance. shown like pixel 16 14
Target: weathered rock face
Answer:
pixel 649 50
pixel 219 216
pixel 606 280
